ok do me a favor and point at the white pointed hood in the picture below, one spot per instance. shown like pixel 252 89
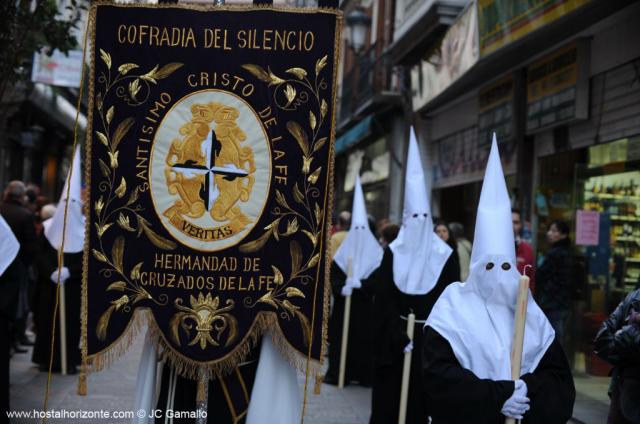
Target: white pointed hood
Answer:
pixel 360 245
pixel 53 227
pixel 477 317
pixel 9 246
pixel 418 254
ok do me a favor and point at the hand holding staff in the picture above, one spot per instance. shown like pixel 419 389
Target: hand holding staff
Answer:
pixel 518 335
pixel 345 330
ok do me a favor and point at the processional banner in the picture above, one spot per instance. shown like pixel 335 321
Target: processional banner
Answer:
pixel 210 160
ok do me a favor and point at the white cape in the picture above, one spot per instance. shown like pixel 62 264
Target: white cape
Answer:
pixel 9 246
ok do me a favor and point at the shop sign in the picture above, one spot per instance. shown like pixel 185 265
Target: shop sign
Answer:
pixel 587 228
pixel 456 55
pixel 495 104
pixel 58 68
pixel 461 158
pixel 501 22
pixel 558 88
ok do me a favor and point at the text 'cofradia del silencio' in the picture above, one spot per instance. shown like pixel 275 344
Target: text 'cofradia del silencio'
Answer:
pixel 216 38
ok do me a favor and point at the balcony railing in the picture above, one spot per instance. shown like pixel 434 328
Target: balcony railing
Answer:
pixel 371 75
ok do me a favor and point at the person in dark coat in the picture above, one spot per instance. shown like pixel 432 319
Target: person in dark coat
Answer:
pixel 618 342
pixel 553 278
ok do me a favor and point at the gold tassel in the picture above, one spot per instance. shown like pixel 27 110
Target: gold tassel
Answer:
pixel 201 390
pixel 318 385
pixel 82 383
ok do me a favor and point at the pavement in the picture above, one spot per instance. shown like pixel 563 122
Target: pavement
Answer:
pixel 113 390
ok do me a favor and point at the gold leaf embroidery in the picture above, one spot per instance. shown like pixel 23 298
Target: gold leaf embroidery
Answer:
pixel 312 120
pixel 167 70
pixel 101 229
pixel 134 88
pixel 135 272
pixel 123 222
pixel 110 113
pixel 306 328
pixel 275 80
pixel 319 144
pixel 99 256
pixel 281 200
pixel 103 323
pixel 289 306
pixel 99 101
pixel 117 253
pixel 150 76
pixel 118 285
pixel 106 58
pixel 321 63
pixel 121 131
pixel 126 67
pixel 298 72
pixel 300 135
pixel 99 205
pixel 313 178
pixel 293 291
pixel 277 275
pixel 156 239
pixel 290 93
pixel 104 168
pixel 292 227
pixel 297 194
pixel 313 238
pixel 314 261
pixel 258 72
pixel 324 107
pixel 122 188
pixel 306 164
pixel 296 257
pixel 318 212
pixel 255 245
pixel 268 300
pixel 103 138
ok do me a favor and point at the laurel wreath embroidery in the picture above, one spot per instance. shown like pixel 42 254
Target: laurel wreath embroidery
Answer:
pixel 305 213
pixel 117 205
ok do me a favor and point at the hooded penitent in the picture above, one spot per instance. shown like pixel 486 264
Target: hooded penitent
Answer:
pixel 477 317
pixel 360 246
pixel 53 227
pixel 418 253
pixel 9 245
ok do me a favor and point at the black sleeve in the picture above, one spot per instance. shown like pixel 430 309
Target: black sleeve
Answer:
pixel 390 329
pixel 616 342
pixel 338 278
pixel 550 389
pixel 455 394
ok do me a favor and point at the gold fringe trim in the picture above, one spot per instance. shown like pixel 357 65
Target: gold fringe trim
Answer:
pixel 116 350
pixel 318 385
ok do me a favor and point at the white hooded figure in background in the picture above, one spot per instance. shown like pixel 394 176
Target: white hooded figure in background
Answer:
pixel 9 245
pixel 418 253
pixel 360 249
pixel 53 227
pixel 476 318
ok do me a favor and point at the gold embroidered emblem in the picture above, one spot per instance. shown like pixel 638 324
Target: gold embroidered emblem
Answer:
pixel 210 170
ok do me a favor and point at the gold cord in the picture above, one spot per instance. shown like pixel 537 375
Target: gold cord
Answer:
pixel 64 228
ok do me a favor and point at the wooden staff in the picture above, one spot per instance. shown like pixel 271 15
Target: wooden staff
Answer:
pixel 62 314
pixel 518 333
pixel 406 372
pixel 345 330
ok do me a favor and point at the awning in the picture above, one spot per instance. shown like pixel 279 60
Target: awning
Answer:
pixel 354 135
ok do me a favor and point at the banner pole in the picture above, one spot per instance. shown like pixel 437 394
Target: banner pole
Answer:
pixel 406 372
pixel 345 330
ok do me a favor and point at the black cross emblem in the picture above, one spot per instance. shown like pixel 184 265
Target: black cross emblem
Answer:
pixel 209 192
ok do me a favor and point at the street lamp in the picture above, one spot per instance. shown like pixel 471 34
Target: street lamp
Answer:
pixel 358 23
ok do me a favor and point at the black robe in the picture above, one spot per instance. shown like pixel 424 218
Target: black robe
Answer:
pixel 456 395
pixel 390 305
pixel 359 363
pixel 44 303
pixel 228 396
